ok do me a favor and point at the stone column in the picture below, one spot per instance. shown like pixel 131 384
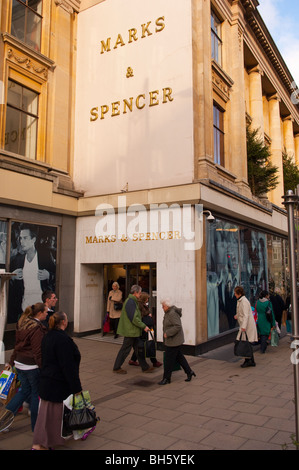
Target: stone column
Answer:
pixel 237 101
pixel 202 90
pixel 288 135
pixel 296 139
pixel 276 147
pixel 256 100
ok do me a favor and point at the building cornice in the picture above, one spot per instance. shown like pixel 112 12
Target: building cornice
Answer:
pixel 267 43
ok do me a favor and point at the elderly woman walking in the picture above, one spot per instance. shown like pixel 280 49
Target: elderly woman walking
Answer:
pixel 173 336
pixel 246 322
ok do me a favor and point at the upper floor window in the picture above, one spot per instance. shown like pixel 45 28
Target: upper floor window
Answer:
pixel 26 22
pixel 218 123
pixel 216 38
pixel 21 120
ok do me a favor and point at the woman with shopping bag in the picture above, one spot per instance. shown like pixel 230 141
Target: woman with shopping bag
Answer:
pixel 26 358
pixel 59 378
pixel 246 322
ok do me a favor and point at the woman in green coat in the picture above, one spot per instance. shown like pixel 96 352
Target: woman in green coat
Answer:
pixel 264 326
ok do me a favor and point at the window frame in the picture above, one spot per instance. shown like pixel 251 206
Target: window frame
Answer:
pixel 216 41
pixel 29 9
pixel 23 112
pixel 218 131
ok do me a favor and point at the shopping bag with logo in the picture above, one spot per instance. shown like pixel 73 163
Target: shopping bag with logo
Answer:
pixel 14 387
pixel 6 380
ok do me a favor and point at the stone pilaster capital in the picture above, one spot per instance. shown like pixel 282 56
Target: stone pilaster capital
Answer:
pixel 273 97
pixel 256 69
pixel 71 6
pixel 288 118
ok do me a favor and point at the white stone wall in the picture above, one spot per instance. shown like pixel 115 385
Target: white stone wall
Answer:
pixel 150 67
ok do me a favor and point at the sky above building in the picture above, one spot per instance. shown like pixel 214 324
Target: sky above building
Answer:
pixel 281 19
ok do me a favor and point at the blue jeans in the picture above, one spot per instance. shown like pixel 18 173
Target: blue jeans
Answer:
pixel 28 392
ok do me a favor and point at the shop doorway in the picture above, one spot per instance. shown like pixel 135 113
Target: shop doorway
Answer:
pixel 143 274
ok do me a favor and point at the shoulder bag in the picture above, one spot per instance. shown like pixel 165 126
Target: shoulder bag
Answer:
pixel 118 305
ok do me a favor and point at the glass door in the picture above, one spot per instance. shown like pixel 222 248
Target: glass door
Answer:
pixel 143 274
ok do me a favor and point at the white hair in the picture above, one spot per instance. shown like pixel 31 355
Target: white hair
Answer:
pixel 166 302
pixel 135 289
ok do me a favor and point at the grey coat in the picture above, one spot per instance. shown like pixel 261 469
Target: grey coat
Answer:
pixel 172 326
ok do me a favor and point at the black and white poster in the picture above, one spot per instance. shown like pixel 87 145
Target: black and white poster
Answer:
pixel 33 257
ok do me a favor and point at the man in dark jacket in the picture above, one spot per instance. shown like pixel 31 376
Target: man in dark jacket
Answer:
pixel 278 305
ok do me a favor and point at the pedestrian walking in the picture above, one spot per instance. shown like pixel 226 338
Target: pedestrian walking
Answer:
pixel 278 305
pixel 264 322
pixel 246 322
pixel 131 326
pixel 147 318
pixel 27 359
pixel 59 379
pixel 173 337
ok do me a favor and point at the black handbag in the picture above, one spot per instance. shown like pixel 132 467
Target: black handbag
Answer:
pixel 81 418
pixel 118 305
pixel 243 348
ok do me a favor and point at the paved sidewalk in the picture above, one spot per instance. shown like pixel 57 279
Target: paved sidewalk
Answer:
pixel 224 407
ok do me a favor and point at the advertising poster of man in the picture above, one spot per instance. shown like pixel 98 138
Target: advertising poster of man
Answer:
pixel 33 261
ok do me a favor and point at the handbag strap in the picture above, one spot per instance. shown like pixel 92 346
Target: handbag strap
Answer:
pixel 82 399
pixel 245 335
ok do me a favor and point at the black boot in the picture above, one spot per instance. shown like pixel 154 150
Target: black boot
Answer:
pixel 248 363
pixel 164 382
pixel 189 376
